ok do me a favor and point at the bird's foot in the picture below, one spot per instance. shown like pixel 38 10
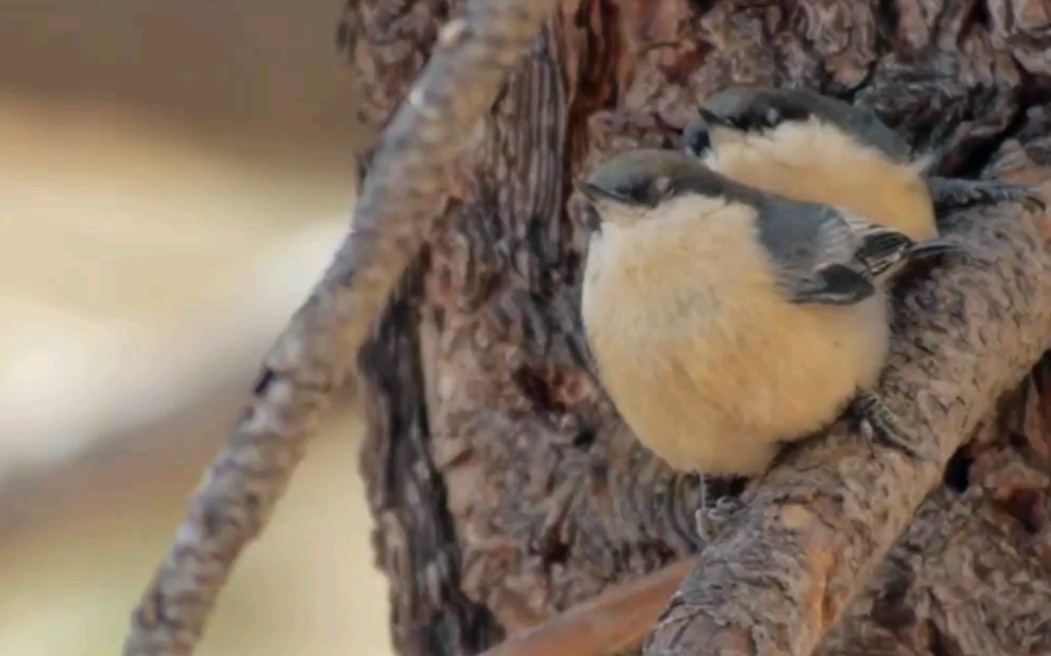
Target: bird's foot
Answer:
pixel 877 422
pixel 712 520
pixel 956 193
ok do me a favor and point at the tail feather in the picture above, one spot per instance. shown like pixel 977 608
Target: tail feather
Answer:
pixel 933 248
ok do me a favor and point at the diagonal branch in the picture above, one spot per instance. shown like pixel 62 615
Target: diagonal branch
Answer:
pixel 475 53
pixel 934 560
pixel 782 574
pixel 614 622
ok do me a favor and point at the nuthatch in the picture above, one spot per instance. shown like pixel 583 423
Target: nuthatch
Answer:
pixel 810 147
pixel 724 320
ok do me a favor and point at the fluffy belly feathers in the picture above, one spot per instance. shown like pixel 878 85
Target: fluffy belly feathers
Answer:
pixel 711 382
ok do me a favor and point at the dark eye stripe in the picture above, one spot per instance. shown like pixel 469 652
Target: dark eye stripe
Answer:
pixel 699 141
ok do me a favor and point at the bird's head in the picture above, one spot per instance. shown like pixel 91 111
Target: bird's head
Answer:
pixel 639 185
pixel 734 116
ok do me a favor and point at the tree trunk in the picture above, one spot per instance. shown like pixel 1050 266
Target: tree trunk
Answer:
pixel 503 485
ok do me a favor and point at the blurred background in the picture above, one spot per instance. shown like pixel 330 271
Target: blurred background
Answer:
pixel 174 175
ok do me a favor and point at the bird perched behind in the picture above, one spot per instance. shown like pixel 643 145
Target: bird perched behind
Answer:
pixel 724 320
pixel 815 148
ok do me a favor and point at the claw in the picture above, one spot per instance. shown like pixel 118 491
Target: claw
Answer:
pixel 879 423
pixel 710 521
pixel 1028 196
pixel 949 193
pixel 1035 203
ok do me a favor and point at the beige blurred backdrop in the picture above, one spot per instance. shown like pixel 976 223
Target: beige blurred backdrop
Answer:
pixel 174 175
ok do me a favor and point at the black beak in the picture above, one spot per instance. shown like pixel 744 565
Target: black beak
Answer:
pixel 588 212
pixel 712 119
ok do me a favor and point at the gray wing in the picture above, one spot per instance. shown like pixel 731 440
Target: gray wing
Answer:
pixel 871 130
pixel 825 256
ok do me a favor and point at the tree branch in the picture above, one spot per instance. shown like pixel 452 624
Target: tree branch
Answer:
pixel 309 360
pixel 914 597
pixel 540 498
pixel 613 622
pixel 916 588
pixel 777 579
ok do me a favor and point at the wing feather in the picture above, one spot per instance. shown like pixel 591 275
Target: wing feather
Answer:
pixel 824 255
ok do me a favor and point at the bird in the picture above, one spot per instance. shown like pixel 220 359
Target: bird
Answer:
pixel 724 320
pixel 812 147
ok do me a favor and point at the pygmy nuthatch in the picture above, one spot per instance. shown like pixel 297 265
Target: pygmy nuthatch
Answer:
pixel 724 320
pixel 815 148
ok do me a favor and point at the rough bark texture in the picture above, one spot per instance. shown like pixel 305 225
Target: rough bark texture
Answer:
pixel 816 526
pixel 505 488
pixel 312 356
pixel 972 574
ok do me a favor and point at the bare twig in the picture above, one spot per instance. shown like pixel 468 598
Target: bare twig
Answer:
pixel 781 575
pixel 474 55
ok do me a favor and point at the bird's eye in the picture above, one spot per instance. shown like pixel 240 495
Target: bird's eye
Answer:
pixel 697 142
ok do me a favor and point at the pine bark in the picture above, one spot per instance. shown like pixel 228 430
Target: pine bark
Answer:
pixel 503 485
